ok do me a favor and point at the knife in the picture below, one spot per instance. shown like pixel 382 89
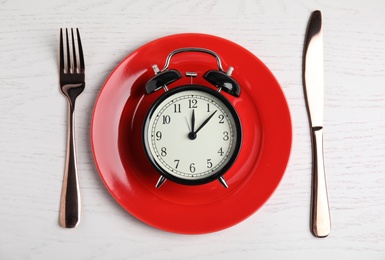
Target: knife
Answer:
pixel 314 91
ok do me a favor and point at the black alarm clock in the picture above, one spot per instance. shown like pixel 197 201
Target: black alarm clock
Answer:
pixel 192 134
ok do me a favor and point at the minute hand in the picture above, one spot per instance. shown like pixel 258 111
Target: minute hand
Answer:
pixel 205 122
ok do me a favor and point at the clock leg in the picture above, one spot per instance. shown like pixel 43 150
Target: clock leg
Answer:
pixel 223 182
pixel 161 180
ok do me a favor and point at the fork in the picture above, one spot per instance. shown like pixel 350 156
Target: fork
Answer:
pixel 71 66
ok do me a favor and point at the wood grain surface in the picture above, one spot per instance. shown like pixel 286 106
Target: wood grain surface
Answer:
pixel 33 128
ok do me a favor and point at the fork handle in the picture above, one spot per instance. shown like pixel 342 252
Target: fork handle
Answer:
pixel 70 206
pixel 320 215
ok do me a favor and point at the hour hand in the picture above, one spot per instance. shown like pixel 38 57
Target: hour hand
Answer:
pixel 193 121
pixel 192 135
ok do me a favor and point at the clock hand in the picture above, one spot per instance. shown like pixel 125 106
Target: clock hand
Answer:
pixel 193 121
pixel 205 122
pixel 193 134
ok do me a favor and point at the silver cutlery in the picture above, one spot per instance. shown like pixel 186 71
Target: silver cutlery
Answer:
pixel 314 90
pixel 71 66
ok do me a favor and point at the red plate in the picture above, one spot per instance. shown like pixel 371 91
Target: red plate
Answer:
pixel 128 175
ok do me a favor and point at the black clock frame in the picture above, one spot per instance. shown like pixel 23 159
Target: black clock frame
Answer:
pixel 222 170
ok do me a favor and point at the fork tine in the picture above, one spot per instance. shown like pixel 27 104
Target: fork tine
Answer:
pixel 81 58
pixel 69 65
pixel 61 52
pixel 74 60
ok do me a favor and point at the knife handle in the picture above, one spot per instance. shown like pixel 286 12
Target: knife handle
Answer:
pixel 320 215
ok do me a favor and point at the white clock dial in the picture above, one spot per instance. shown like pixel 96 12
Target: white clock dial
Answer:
pixel 192 134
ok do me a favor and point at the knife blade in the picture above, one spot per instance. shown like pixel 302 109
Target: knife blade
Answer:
pixel 313 77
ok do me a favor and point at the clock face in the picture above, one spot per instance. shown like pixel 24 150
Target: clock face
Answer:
pixel 192 134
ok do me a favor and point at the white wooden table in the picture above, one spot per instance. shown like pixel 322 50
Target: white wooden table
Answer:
pixel 33 128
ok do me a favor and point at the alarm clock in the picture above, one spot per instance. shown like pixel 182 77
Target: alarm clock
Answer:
pixel 192 133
